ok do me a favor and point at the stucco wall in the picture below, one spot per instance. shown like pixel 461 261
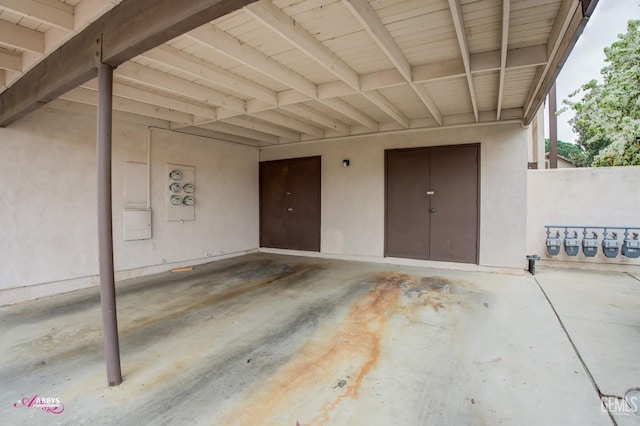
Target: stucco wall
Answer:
pixel 48 203
pixel 48 198
pixel 605 196
pixel 353 197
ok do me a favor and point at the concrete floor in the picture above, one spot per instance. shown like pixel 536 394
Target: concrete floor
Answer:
pixel 276 340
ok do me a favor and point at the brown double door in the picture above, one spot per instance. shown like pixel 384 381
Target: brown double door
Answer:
pixel 290 204
pixel 432 203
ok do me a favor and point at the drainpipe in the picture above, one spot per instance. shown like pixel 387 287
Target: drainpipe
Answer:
pixel 105 234
pixel 553 129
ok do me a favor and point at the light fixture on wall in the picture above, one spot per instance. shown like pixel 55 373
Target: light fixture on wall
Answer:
pixel 346 163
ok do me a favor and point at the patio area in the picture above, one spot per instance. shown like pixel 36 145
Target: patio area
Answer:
pixel 267 339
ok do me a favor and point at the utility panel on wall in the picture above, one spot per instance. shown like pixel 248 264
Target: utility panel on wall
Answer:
pixel 181 192
pixel 135 185
pixel 136 224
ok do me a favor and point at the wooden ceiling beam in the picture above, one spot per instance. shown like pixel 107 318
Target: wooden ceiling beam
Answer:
pixel 145 24
pixel 282 24
pixel 316 117
pixel 272 16
pixel 570 20
pixel 526 57
pixel 10 60
pixel 301 124
pixel 458 23
pixel 52 12
pixel 21 38
pixel 506 5
pixel 216 135
pixel 163 100
pixel 370 21
pixel 88 11
pixel 391 110
pixel 168 83
pixel 288 122
pixel 350 111
pixel 249 122
pixel 196 67
pixel 126 31
pixel 265 12
pixel 231 129
pixel 231 47
pixel 90 97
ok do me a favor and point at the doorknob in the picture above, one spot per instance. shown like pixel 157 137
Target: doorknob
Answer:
pixel 432 210
pixel 290 209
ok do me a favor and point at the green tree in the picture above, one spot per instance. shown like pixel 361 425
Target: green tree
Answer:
pixel 565 149
pixel 607 117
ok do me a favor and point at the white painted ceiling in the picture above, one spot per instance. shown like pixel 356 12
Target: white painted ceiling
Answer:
pixel 284 71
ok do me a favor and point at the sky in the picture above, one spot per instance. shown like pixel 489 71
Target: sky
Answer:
pixel 587 58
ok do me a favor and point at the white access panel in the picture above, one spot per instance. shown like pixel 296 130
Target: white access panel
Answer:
pixel 136 224
pixel 135 185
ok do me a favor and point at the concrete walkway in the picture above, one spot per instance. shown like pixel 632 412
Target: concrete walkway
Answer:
pixel 601 313
pixel 276 340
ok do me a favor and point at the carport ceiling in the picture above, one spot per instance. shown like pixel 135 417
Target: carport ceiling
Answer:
pixel 284 71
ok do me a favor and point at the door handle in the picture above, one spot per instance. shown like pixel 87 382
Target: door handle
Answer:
pixel 432 210
pixel 290 209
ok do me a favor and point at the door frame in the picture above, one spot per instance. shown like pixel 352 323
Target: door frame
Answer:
pixel 479 201
pixel 285 160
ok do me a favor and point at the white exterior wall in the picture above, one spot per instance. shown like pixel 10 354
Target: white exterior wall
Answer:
pixel 48 198
pixel 604 196
pixel 48 241
pixel 353 198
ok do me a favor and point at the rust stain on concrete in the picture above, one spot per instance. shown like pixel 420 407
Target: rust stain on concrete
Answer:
pixel 363 328
pixel 433 292
pixel 347 350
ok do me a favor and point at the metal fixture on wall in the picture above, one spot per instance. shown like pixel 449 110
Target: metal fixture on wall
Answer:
pixel 589 244
pixel 553 243
pixel 571 244
pixel 631 246
pixel 181 197
pixel 346 163
pixel 610 243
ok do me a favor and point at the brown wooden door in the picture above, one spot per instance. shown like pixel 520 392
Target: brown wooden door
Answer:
pixel 454 204
pixel 432 203
pixel 407 204
pixel 290 204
